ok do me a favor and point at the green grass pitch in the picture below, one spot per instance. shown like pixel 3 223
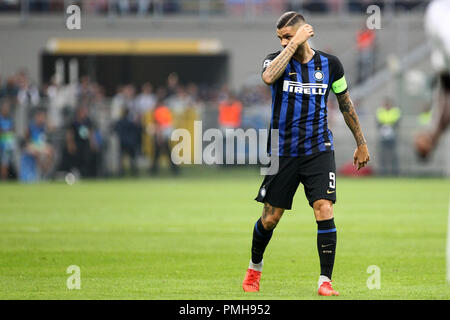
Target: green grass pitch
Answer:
pixel 190 237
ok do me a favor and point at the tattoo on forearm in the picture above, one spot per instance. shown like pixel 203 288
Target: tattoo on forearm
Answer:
pixel 278 65
pixel 350 117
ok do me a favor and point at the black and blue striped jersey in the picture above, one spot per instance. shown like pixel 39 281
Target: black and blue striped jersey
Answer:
pixel 299 103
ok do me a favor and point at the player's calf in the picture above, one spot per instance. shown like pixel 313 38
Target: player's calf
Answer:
pixel 326 244
pixel 262 233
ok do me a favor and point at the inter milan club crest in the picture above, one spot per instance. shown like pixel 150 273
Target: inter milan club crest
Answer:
pixel 318 75
pixel 262 192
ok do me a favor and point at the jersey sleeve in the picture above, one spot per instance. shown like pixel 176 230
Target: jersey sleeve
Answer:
pixel 268 59
pixel 339 84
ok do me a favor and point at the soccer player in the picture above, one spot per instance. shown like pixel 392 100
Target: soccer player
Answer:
pixel 437 27
pixel 301 78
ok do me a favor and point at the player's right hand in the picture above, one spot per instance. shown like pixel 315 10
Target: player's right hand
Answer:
pixel 304 32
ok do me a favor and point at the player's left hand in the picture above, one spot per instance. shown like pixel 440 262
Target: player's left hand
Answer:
pixel 361 156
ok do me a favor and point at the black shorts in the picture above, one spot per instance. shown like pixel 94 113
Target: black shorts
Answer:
pixel 317 173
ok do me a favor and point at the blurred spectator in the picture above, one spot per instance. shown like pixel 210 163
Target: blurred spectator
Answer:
pixel 28 94
pixel 28 97
pixel 125 98
pixel 366 45
pixel 388 118
pixel 424 118
pixel 143 7
pixel 123 6
pixel 360 6
pixel 39 5
pixel 179 101
pixel 81 149
pixel 129 137
pixel 85 90
pixel 9 5
pixel 95 6
pixel 10 88
pixel 7 140
pixel 117 103
pixel 335 5
pixel 161 131
pixel 129 101
pixel 315 6
pixel 146 100
pixel 230 117
pixel 230 112
pixel 172 84
pixel 37 145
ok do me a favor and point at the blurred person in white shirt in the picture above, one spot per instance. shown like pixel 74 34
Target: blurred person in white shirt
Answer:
pixel 146 100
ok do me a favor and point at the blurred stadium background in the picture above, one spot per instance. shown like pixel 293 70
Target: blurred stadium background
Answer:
pixel 212 49
pixel 152 237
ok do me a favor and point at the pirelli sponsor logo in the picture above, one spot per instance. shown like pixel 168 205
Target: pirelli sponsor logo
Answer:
pixel 305 88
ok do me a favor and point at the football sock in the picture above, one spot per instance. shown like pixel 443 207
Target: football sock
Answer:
pixel 322 279
pixel 326 245
pixel 261 238
pixel 256 266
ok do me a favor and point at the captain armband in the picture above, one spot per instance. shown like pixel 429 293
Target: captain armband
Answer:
pixel 339 86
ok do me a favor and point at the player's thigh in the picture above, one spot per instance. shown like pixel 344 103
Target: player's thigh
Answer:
pixel 279 189
pixel 318 176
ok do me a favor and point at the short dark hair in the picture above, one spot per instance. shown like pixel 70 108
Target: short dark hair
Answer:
pixel 289 18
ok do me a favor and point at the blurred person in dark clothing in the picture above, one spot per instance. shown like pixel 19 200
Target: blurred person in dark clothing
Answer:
pixel 130 140
pixel 7 140
pixel 39 5
pixel 173 83
pixel 10 89
pixel 161 131
pixel 81 150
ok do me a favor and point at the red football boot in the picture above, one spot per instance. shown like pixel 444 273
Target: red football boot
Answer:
pixel 326 289
pixel 251 281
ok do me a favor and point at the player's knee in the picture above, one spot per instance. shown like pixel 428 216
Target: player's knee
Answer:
pixel 270 223
pixel 323 209
pixel 271 216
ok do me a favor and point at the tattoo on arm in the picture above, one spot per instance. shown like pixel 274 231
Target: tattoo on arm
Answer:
pixel 351 118
pixel 278 65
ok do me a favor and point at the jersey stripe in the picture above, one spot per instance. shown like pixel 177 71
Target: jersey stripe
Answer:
pixel 325 134
pixel 283 113
pixel 289 112
pixel 304 109
pixel 323 64
pixel 318 119
pixel 311 110
pixel 296 119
